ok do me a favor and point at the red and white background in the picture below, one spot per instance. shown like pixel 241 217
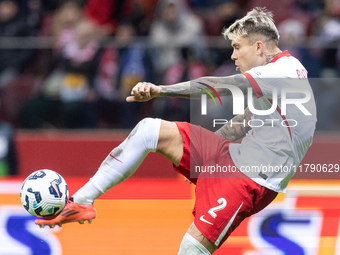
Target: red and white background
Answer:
pixel 150 212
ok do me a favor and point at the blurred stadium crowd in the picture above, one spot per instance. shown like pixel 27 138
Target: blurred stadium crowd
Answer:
pixel 71 63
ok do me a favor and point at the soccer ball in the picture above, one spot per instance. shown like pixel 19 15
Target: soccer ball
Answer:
pixel 44 193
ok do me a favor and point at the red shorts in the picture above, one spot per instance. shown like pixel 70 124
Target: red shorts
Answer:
pixel 225 199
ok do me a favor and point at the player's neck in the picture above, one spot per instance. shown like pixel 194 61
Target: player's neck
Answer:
pixel 271 55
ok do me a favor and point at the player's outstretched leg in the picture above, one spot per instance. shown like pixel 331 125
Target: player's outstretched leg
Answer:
pixel 150 135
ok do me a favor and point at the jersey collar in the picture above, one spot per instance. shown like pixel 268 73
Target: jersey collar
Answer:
pixel 280 55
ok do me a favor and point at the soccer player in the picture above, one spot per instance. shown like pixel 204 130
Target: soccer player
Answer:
pixel 279 144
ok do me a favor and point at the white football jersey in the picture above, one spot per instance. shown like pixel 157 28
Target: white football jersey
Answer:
pixel 283 123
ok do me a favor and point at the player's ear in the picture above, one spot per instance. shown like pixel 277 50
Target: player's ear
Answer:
pixel 259 47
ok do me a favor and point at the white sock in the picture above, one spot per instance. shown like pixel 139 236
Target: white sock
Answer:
pixel 190 246
pixel 122 162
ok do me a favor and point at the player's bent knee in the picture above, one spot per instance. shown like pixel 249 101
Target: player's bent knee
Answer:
pixel 148 129
pixel 170 143
pixel 190 246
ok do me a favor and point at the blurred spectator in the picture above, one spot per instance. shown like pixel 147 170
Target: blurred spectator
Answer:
pixel 139 18
pixel 148 8
pixel 327 100
pixel 57 24
pixel 120 69
pixel 327 89
pixel 330 38
pixel 106 85
pixel 8 154
pixel 188 68
pixel 68 92
pixel 17 83
pixel 293 37
pixel 223 15
pixel 293 34
pixel 13 24
pixel 65 18
pixel 33 10
pixel 175 26
pixel 107 14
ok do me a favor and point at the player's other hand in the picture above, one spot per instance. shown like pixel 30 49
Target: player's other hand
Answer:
pixel 142 92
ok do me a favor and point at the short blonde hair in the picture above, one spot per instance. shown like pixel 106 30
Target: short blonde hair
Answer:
pixel 258 21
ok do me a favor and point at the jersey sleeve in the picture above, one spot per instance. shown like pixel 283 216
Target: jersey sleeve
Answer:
pixel 264 79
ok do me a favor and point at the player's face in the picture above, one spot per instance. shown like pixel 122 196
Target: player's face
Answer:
pixel 244 54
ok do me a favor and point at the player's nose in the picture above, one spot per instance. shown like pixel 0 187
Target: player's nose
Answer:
pixel 233 56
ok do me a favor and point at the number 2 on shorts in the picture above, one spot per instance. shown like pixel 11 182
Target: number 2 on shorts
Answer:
pixel 223 203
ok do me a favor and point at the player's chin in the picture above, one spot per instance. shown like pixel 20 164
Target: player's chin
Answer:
pixel 238 69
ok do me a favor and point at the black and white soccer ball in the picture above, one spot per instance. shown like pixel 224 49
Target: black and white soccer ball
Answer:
pixel 44 193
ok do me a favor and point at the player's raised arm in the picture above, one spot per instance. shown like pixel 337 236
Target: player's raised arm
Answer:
pixel 145 91
pixel 237 80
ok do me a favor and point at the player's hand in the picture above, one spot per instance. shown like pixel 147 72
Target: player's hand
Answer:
pixel 142 92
